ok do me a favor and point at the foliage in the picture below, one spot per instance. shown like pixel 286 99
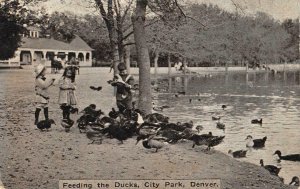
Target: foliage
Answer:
pixel 11 27
pixel 216 36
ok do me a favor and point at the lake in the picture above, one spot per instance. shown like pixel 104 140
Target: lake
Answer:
pixel 273 97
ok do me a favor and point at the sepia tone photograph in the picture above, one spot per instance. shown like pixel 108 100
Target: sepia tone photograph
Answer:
pixel 167 94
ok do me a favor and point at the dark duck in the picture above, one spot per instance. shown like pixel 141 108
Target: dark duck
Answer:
pixel 45 124
pixel 271 168
pixel 256 143
pixel 94 135
pixel 295 181
pixel 256 121
pixel 206 139
pixel 215 118
pixel 290 157
pixel 238 153
pixel 119 131
pixel 67 124
pixel 224 106
pixel 96 88
pixel 220 125
pixel 172 136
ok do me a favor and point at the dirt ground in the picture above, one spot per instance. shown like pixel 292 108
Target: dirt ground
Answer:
pixel 32 159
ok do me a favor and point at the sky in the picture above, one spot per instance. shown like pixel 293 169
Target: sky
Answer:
pixel 278 9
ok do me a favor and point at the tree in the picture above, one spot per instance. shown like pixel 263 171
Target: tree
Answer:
pixel 11 27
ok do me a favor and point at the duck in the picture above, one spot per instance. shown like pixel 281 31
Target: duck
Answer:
pixel 206 139
pixel 73 110
pixel 96 88
pixel 215 118
pixel 181 92
pixel 45 124
pixel 271 168
pixel 220 125
pixel 156 118
pixel 256 143
pixel 238 153
pixel 94 135
pixel 295 181
pixel 290 157
pixel 158 108
pixel 152 142
pixel 119 132
pixel 199 128
pixel 113 113
pixel 172 136
pixel 257 121
pixel 67 124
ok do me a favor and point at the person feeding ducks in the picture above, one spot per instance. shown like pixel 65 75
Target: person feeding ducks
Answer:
pixel 124 83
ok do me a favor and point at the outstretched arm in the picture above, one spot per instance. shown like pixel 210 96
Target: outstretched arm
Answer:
pixel 44 84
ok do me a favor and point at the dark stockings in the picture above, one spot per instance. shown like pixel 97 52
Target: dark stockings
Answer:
pixel 37 113
pixel 66 111
pixel 46 113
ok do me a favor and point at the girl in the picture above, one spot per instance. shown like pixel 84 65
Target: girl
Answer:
pixel 67 98
pixel 41 92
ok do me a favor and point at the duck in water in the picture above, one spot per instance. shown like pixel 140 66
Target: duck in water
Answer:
pixel 256 121
pixel 255 143
pixel 271 168
pixel 238 153
pixel 290 157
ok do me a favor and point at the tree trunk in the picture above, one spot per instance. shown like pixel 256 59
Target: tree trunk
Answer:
pixel 138 20
pixel 169 64
pixel 127 58
pixel 155 61
pixel 113 36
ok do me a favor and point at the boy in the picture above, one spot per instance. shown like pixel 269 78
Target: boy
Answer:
pixel 124 82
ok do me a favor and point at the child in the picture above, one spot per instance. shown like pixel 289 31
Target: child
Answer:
pixel 124 83
pixel 67 98
pixel 41 91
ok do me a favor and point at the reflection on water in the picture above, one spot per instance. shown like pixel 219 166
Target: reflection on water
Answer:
pixel 273 97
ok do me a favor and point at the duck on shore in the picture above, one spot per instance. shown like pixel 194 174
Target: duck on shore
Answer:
pixel 271 168
pixel 206 139
pixel 45 124
pixel 290 157
pixel 94 135
pixel 255 143
pixel 153 142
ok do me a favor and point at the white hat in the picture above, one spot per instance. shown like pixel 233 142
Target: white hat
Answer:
pixel 38 69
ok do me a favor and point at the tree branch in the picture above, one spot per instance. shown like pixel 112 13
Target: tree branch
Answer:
pixel 127 44
pixel 126 11
pixel 99 3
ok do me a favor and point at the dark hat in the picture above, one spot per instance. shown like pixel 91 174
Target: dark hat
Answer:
pixel 121 66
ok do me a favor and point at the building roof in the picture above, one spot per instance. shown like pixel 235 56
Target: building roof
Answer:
pixel 77 44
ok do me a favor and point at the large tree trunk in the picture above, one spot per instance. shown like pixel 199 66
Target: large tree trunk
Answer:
pixel 112 36
pixel 145 101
